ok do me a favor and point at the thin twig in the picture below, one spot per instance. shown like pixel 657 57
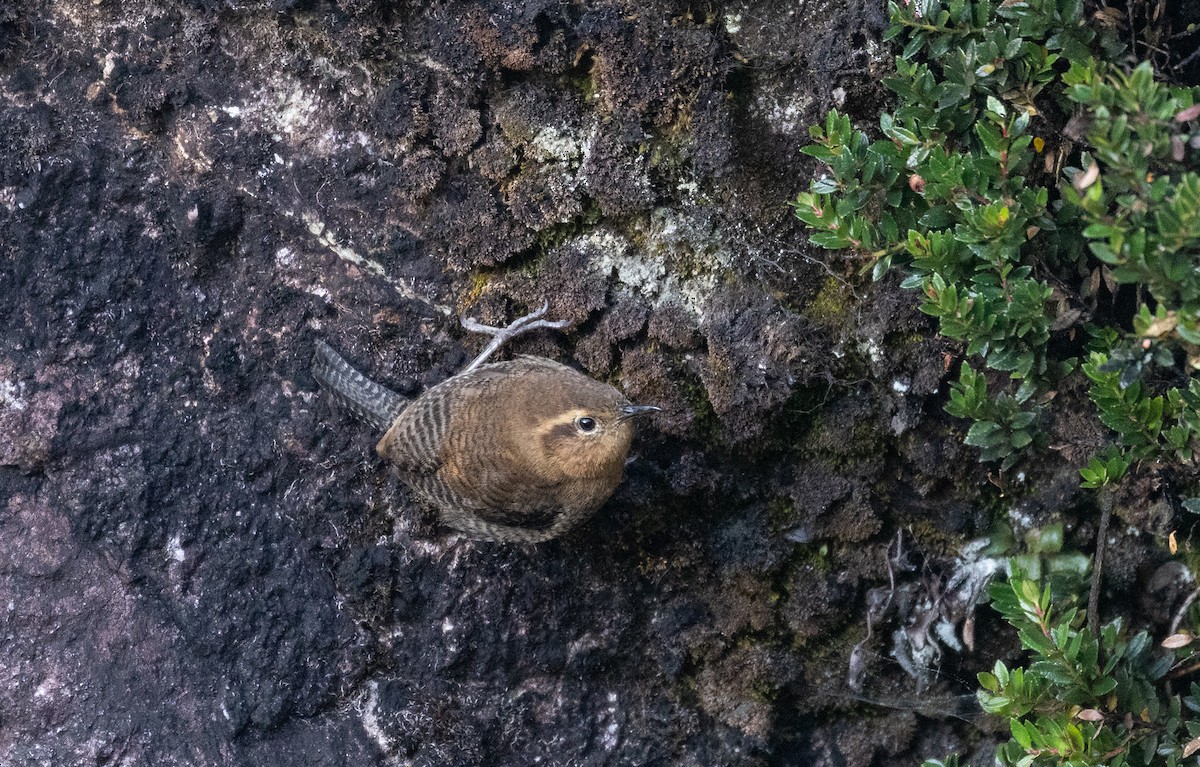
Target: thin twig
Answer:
pixel 1182 671
pixel 828 270
pixel 1188 60
pixel 1106 504
pixel 1182 611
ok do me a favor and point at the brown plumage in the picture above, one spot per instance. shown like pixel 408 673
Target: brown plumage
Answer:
pixel 510 451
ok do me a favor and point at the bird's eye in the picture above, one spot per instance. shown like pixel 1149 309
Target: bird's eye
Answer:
pixel 586 424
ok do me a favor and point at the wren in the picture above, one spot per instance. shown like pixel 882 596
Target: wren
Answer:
pixel 518 451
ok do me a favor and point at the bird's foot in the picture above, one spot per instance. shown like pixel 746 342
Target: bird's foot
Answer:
pixel 501 336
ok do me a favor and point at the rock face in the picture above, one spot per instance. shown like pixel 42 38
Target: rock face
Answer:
pixel 203 563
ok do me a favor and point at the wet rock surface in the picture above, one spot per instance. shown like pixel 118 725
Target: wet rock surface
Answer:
pixel 201 560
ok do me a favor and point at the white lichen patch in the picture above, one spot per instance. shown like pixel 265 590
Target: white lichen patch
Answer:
pixel 1020 519
pixel 733 23
pixel 556 145
pixel 10 396
pixel 110 64
pixel 785 111
pixel 285 258
pixel 301 117
pixel 296 275
pixel 610 738
pixel 175 551
pixel 878 52
pixel 872 349
pixel 689 237
pixel 684 259
pixel 633 269
pixel 293 114
pixel 294 111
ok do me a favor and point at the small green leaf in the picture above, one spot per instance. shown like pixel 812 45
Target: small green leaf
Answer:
pixel 1020 734
pixel 984 434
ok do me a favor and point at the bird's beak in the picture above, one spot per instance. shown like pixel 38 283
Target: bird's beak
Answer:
pixel 632 411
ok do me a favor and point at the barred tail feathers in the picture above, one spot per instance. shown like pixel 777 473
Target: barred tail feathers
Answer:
pixel 376 404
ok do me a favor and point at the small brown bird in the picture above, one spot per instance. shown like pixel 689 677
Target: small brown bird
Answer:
pixel 516 451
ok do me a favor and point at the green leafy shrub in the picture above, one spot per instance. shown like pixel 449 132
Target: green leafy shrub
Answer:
pixel 1085 699
pixel 1002 425
pixel 961 194
pixel 1146 425
pixel 1136 188
pixel 1008 237
pixel 1140 201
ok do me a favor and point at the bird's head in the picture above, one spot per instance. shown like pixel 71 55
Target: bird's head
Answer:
pixel 584 431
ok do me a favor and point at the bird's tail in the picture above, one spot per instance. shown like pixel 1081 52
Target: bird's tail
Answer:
pixel 377 404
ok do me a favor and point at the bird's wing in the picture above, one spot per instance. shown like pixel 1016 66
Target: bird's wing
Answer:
pixel 487 480
pixel 518 504
pixel 416 442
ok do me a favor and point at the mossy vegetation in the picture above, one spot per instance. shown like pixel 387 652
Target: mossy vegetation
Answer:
pixel 831 306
